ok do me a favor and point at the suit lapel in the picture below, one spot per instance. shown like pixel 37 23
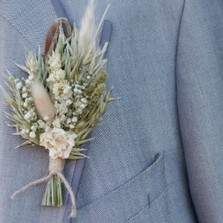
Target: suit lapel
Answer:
pixel 24 24
pixel 30 18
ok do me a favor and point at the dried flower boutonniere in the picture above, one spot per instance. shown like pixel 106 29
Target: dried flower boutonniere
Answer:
pixel 61 100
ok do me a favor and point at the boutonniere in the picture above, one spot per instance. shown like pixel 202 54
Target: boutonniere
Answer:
pixel 61 99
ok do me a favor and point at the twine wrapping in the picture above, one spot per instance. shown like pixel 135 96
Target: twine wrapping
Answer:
pixel 56 167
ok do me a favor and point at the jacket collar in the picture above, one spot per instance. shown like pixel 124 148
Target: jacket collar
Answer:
pixel 31 19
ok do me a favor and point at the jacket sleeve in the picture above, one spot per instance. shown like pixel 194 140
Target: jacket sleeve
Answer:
pixel 200 104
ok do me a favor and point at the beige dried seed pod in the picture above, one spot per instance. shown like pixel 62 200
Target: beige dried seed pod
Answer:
pixel 42 100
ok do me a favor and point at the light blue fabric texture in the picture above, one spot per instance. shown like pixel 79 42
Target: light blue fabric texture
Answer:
pixel 200 103
pixel 158 157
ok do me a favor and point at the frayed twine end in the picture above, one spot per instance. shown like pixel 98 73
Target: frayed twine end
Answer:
pixel 73 213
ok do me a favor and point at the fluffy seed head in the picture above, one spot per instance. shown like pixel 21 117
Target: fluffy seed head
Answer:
pixel 42 100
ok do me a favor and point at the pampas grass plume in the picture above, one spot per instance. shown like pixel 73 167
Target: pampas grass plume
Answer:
pixel 87 29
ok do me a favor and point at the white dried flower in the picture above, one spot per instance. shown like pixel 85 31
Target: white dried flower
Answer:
pixel 71 126
pixel 68 121
pixel 25 104
pixel 56 123
pixel 59 75
pixel 61 110
pixel 19 85
pixel 59 142
pixel 54 62
pixel 62 91
pixel 28 116
pixel 74 119
pixel 77 91
pixel 24 89
pixel 34 128
pixel 56 76
pixel 30 79
pixel 82 106
pixel 62 117
pixel 23 131
pixel 68 102
pixel 84 100
pixel 31 62
pixel 24 95
pixel 32 135
pixel 67 88
pixel 45 118
pixel 78 112
pixel 41 124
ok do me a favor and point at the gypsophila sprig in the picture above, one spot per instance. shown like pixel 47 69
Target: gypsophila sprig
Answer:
pixel 61 99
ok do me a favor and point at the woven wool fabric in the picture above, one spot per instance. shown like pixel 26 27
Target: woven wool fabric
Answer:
pixel 158 156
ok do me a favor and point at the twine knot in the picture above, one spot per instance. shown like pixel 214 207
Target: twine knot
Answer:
pixel 56 167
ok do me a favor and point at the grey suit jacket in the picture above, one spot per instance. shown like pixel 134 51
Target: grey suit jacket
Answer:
pixel 158 158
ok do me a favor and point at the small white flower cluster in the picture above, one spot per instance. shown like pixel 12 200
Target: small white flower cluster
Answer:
pixel 67 97
pixel 69 103
pixel 35 123
pixel 80 102
pixel 27 108
pixel 31 63
pixel 59 142
pixel 54 62
pixel 59 86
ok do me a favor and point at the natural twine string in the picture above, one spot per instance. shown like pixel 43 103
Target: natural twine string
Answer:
pixel 56 167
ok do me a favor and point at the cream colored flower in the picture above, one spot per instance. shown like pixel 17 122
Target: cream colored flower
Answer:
pixel 31 62
pixel 59 142
pixel 54 61
pixel 62 91
pixel 56 123
pixel 56 76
